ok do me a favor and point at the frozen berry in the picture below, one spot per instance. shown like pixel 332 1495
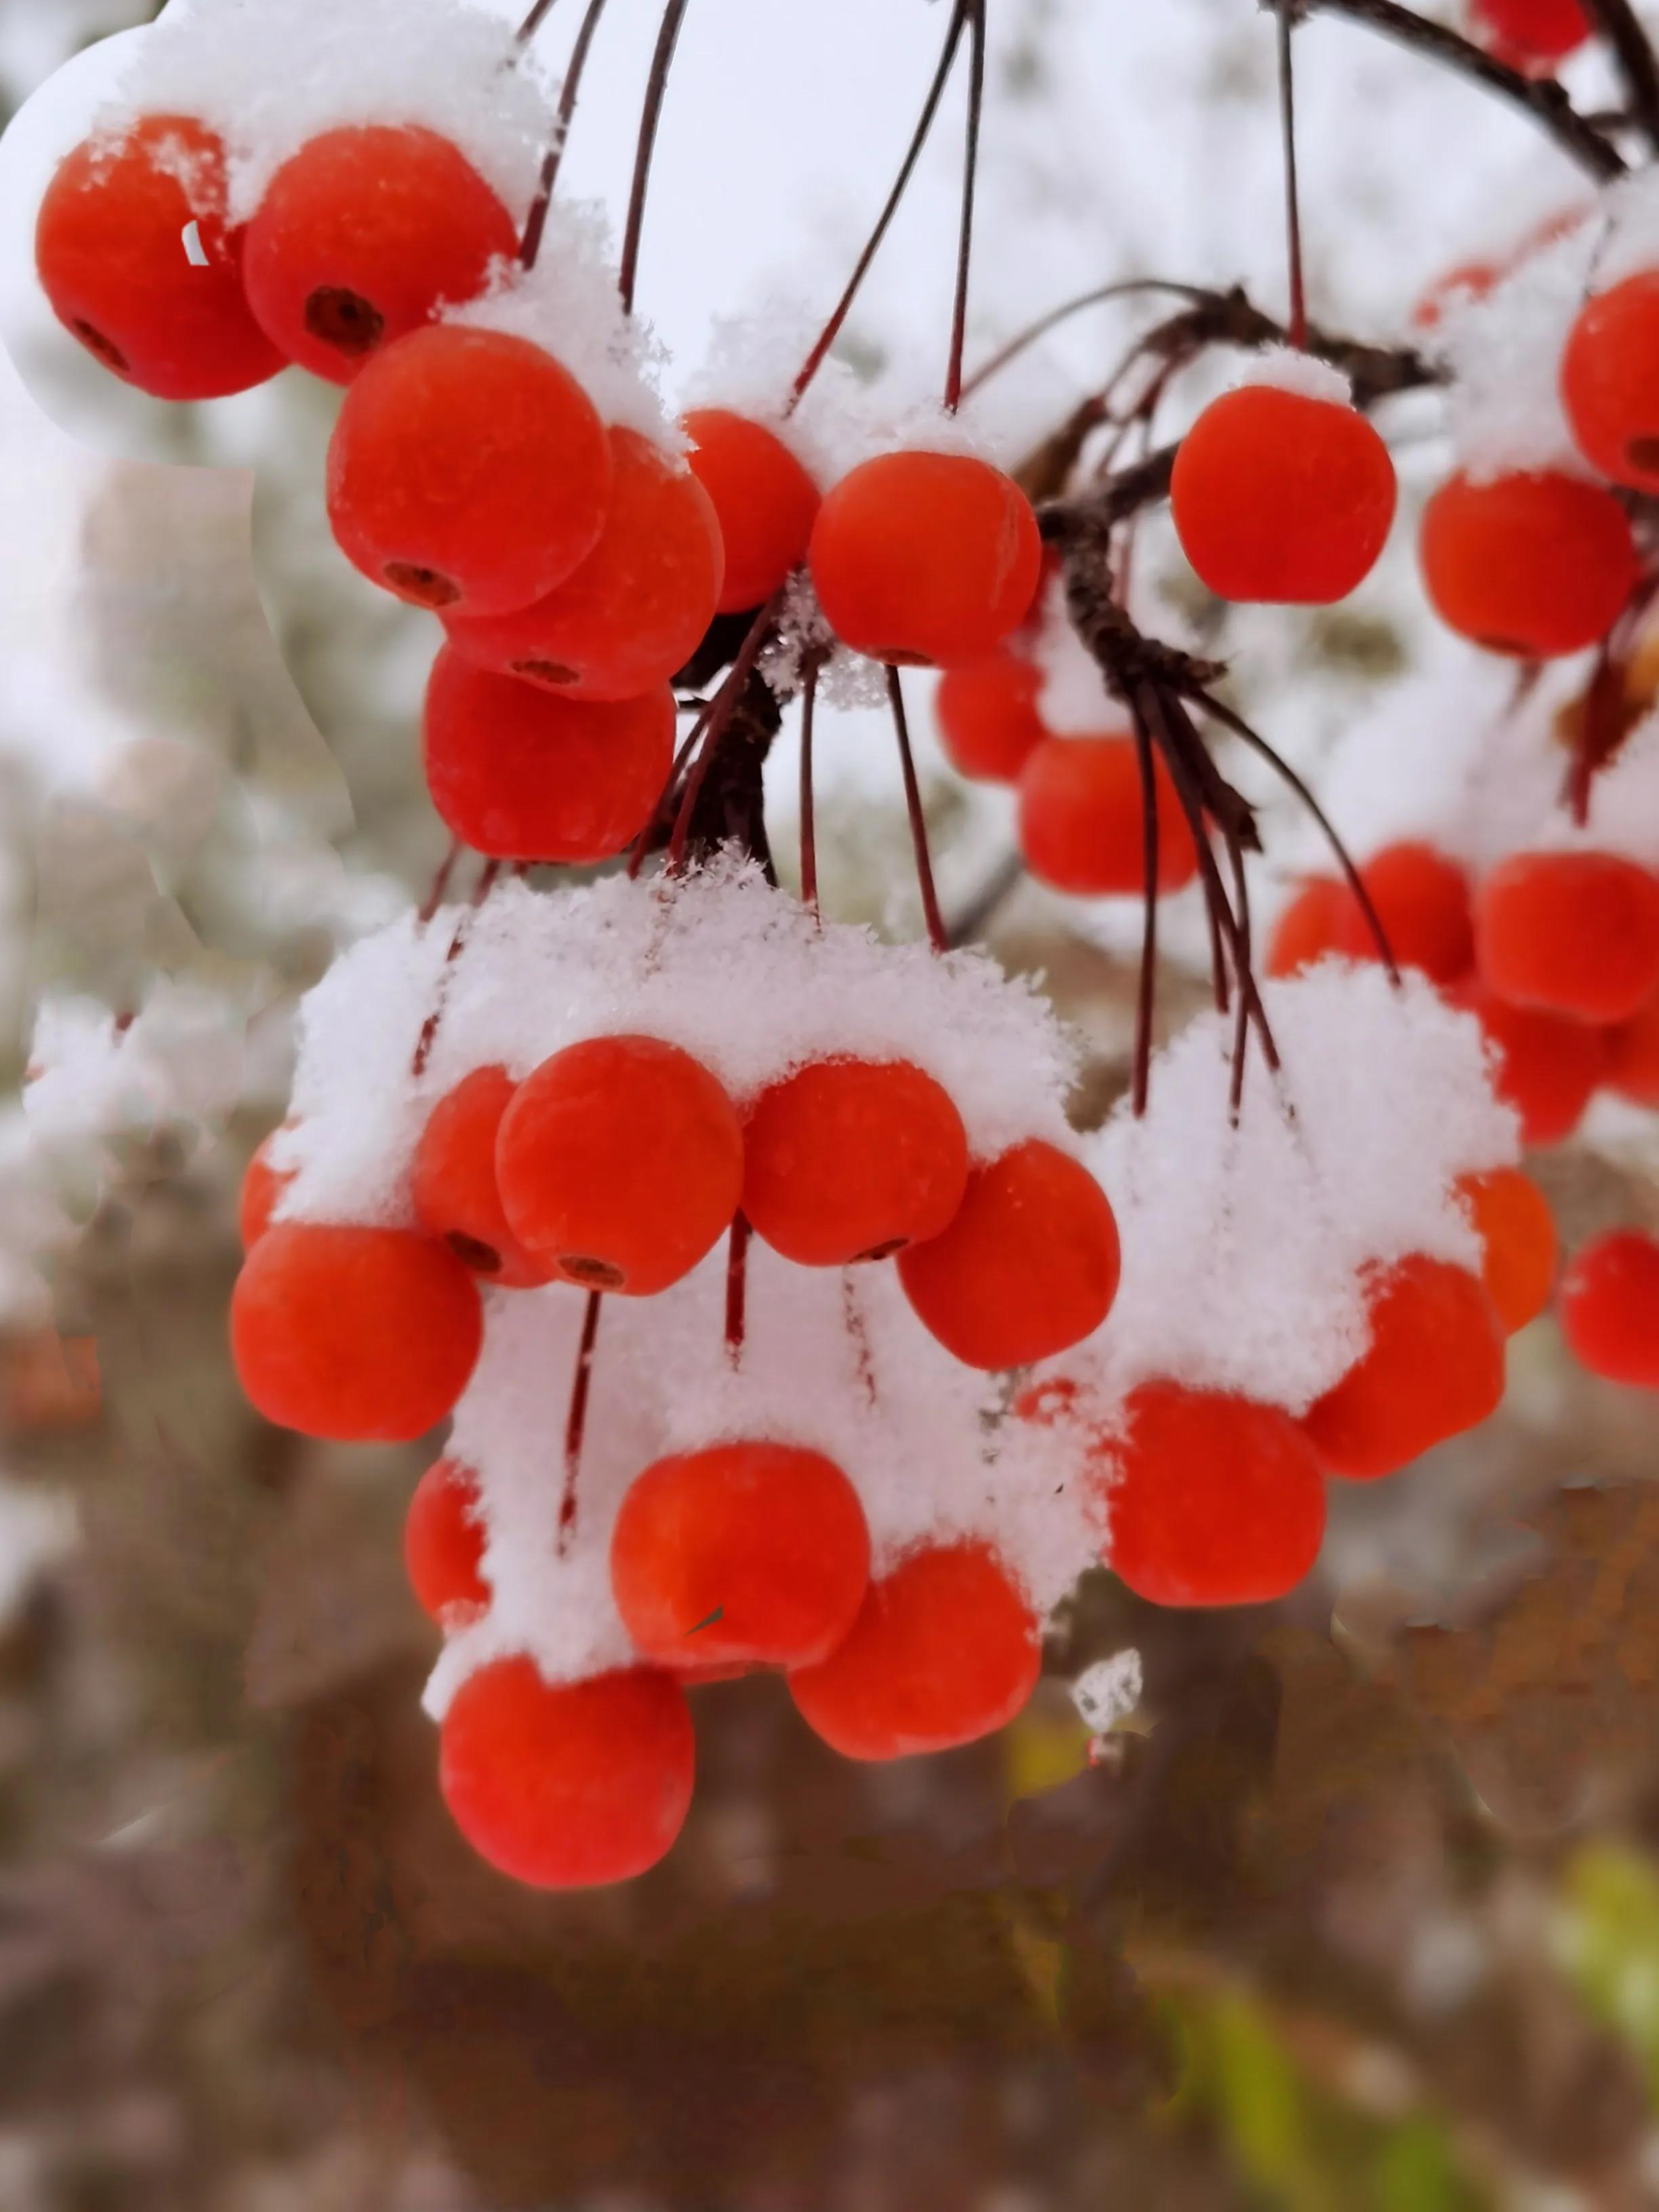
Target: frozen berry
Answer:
pixel 752 1553
pixel 467 470
pixel 444 1544
pixel 621 1159
pixel 944 1651
pixel 1028 1268
pixel 1516 1229
pixel 453 1181
pixel 522 775
pixel 764 499
pixel 1082 823
pixel 1574 933
pixel 1282 497
pixel 363 1336
pixel 1546 1066
pixel 638 606
pixel 1535 564
pixel 263 1187
pixel 1609 1307
pixel 110 249
pixel 852 1159
pixel 925 559
pixel 567 1785
pixel 360 236
pixel 988 722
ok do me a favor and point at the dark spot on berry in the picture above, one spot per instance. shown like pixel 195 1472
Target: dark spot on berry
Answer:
pixel 1512 646
pixel 895 656
pixel 595 1274
pixel 345 320
pixel 105 349
pixel 546 671
pixel 472 1252
pixel 1642 453
pixel 424 586
pixel 881 1251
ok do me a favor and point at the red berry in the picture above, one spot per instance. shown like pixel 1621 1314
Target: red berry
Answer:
pixel 620 1160
pixel 925 559
pixel 1534 564
pixel 443 1543
pixel 109 248
pixel 1434 1368
pixel 851 1159
pixel 570 1784
pixel 1516 1229
pixel 1609 386
pixel 454 1182
pixel 1081 825
pixel 363 1335
pixel 744 1553
pixel 636 609
pixel 360 237
pixel 1280 497
pixel 1215 1500
pixel 987 716
pixel 262 1190
pixel 1609 1307
pixel 467 470
pixel 1573 932
pixel 1531 33
pixel 1421 899
pixel 522 775
pixel 1311 926
pixel 764 499
pixel 1632 1049
pixel 944 1651
pixel 1547 1065
pixel 1028 1268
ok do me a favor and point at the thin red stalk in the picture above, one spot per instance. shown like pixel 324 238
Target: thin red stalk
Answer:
pixel 1297 329
pixel 831 330
pixel 533 22
pixel 435 898
pixel 536 222
pixel 656 86
pixel 853 1312
pixel 660 811
pixel 429 1036
pixel 714 724
pixel 809 842
pixel 1241 1026
pixel 576 1426
pixel 937 936
pixel 1056 316
pixel 970 179
pixel 1145 995
pixel 737 1287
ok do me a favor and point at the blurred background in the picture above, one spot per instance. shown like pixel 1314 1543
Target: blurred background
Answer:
pixel 1358 1909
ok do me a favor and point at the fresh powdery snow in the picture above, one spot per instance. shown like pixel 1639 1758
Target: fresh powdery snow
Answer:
pixel 1291 370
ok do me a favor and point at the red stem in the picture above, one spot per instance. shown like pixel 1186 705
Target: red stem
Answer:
pixel 435 898
pixel 533 22
pixel 536 222
pixel 938 935
pixel 576 1426
pixel 1140 1082
pixel 1299 321
pixel 656 86
pixel 969 177
pixel 809 842
pixel 737 1287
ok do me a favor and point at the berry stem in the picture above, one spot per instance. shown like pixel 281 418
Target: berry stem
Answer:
pixel 809 842
pixel 533 22
pixel 853 1310
pixel 1146 991
pixel 536 222
pixel 937 936
pixel 843 307
pixel 576 1426
pixel 712 724
pixel 737 1287
pixel 977 912
pixel 645 843
pixel 435 898
pixel 656 85
pixel 1620 26
pixel 1298 330
pixel 1099 297
pixel 1240 1025
pixel 970 179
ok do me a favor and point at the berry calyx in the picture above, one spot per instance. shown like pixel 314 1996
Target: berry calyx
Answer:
pixel 1516 1229
pixel 521 774
pixel 109 253
pixel 1028 1268
pixel 638 606
pixel 1434 1368
pixel 567 1785
pixel 620 1160
pixel 1607 384
pixel 852 1159
pixel 987 710
pixel 1282 498
pixel 765 502
pixel 925 559
pixel 744 1554
pixel 263 1187
pixel 1632 1050
pixel 944 1651
pixel 1081 820
pixel 1212 1499
pixel 1534 564
pixel 1546 1066
pixel 444 1544
pixel 360 1335
pixel 1532 35
pixel 467 470
pixel 360 236
pixel 1573 932
pixel 1609 1309
pixel 453 1181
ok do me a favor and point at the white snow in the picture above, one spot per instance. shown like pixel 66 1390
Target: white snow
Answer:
pixel 1504 403
pixel 1109 1691
pixel 1291 370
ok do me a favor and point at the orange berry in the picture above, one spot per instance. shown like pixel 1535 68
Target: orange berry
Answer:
pixel 1312 926
pixel 1081 825
pixel 1422 900
pixel 1434 1368
pixel 1534 564
pixel 1632 1048
pixel 988 722
pixel 1607 382
pixel 1282 498
pixel 1609 1307
pixel 620 1160
pixel 1547 1066
pixel 765 502
pixel 851 1159
pixel 567 1785
pixel 925 559
pixel 263 1187
pixel 1516 1229
pixel 444 1544
pixel 1573 932
pixel 944 1651
pixel 742 1554
pixel 1028 1268
pixel 454 1182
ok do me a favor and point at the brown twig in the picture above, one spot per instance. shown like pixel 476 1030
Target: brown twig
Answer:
pixel 938 935
pixel 970 179
pixel 1146 992
pixel 536 222
pixel 656 85
pixel 533 22
pixel 1296 330
pixel 737 1287
pixel 576 1426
